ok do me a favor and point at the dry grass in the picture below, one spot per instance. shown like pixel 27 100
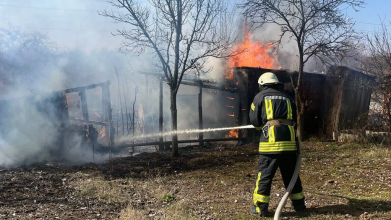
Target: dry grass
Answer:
pixel 178 210
pixel 96 188
pixel 340 181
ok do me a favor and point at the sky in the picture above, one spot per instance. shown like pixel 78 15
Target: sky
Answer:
pixel 71 24
pixel 76 24
pixel 369 18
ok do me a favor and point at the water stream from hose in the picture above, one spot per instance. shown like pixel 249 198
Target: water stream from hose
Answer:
pixel 187 131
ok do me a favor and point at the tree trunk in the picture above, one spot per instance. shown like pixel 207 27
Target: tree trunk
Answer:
pixel 174 114
pixel 300 117
pixel 299 101
pixel 161 146
pixel 387 102
pixel 174 85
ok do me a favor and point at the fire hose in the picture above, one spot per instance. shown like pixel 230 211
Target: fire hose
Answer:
pixel 292 183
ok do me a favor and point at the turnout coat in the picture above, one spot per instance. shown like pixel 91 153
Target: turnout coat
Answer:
pixel 273 113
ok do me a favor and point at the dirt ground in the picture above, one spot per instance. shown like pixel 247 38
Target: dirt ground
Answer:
pixel 341 181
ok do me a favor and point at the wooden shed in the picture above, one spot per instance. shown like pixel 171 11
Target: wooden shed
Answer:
pixel 346 99
pixel 313 84
pixel 335 99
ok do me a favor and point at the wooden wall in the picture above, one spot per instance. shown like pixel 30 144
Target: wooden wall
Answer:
pixel 313 84
pixel 336 99
pixel 346 99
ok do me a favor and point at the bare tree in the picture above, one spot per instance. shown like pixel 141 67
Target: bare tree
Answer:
pixel 378 63
pixel 22 58
pixel 318 27
pixel 181 33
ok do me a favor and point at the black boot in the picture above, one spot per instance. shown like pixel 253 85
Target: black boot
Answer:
pixel 260 210
pixel 299 208
pixel 298 205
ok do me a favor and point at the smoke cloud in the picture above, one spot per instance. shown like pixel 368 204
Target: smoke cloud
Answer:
pixel 49 46
pixel 32 69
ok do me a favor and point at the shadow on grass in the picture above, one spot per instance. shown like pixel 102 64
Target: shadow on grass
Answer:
pixel 355 207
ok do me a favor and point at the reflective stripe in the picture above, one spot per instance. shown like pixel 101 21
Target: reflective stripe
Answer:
pixel 271 109
pixel 260 198
pixel 277 146
pixel 257 209
pixel 271 134
pixel 274 137
pixel 276 97
pixel 269 106
pixel 267 109
pixel 256 187
pixel 296 196
pixel 252 106
pixel 289 106
pixel 276 149
pixel 292 133
pixel 277 143
pixel 258 128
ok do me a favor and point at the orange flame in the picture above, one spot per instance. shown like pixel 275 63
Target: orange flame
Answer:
pixel 230 106
pixel 231 115
pixel 229 74
pixel 252 54
pixel 234 133
pixel 102 133
pixel 231 98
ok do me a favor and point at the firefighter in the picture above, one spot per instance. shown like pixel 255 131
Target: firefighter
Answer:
pixel 273 113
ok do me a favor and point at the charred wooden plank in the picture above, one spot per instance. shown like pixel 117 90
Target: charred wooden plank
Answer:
pixel 92 86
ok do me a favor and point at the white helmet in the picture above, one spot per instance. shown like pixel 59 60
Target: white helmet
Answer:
pixel 268 78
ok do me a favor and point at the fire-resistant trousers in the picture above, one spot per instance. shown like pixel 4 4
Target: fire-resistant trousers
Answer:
pixel 267 167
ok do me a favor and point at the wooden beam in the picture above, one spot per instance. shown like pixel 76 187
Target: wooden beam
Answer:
pixel 109 110
pixel 89 122
pixel 83 88
pixel 84 106
pixel 209 87
pixel 240 119
pixel 195 83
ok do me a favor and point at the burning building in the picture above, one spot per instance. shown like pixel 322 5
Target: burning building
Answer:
pixel 41 127
pixel 334 100
pixel 321 94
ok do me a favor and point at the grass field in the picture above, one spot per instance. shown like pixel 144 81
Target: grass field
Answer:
pixel 341 181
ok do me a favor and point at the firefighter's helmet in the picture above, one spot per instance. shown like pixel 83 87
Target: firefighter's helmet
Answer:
pixel 268 78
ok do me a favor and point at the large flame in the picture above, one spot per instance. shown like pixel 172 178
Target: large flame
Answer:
pixel 252 54
pixel 249 54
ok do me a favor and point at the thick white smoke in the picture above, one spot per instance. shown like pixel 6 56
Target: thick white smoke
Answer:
pixel 33 68
pixel 53 45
